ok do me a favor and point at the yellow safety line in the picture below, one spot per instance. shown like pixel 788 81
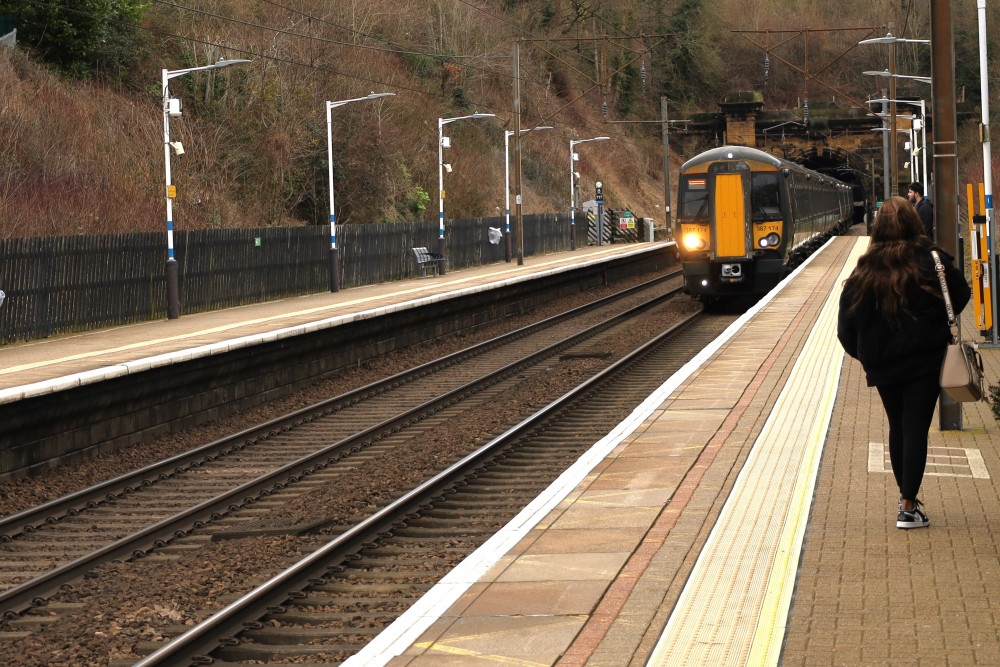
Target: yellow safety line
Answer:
pixel 237 325
pixel 768 640
pixel 734 607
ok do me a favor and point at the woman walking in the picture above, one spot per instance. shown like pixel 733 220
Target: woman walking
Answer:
pixel 893 320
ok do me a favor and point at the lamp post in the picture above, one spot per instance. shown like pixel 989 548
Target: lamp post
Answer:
pixel 573 157
pixel 891 74
pixel 506 190
pixel 172 107
pixel 919 124
pixel 444 142
pixel 915 124
pixel 334 257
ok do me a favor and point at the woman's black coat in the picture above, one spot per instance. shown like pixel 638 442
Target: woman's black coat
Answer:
pixel 893 352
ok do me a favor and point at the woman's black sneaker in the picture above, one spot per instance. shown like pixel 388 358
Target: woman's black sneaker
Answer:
pixel 913 518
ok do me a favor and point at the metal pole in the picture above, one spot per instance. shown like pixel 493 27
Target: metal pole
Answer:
pixel 517 153
pixel 173 287
pixel 893 140
pixel 666 161
pixel 442 263
pixel 334 260
pixel 945 160
pixel 506 192
pixel 923 147
pixel 885 151
pixel 987 161
pixel 572 200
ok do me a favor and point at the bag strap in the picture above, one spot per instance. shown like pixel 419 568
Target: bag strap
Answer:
pixel 952 323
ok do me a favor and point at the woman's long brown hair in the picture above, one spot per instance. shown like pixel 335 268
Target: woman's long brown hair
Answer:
pixel 888 269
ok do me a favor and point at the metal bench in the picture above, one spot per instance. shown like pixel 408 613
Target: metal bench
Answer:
pixel 427 260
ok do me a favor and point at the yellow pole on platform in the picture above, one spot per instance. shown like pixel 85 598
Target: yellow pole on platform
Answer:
pixel 982 299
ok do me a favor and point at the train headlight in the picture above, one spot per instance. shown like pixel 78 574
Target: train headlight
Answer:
pixel 694 242
pixel 770 241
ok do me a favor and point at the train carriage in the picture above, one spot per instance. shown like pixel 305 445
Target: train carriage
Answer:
pixel 745 217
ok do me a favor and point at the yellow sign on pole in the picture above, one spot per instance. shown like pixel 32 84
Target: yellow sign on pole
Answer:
pixel 172 191
pixel 982 297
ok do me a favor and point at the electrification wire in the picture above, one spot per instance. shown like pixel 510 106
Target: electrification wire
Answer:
pixel 287 61
pixel 309 37
pixel 521 29
pixel 442 56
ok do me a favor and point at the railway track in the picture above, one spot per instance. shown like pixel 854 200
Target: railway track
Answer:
pixel 231 484
pixel 328 606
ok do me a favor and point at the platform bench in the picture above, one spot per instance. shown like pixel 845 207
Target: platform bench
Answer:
pixel 427 260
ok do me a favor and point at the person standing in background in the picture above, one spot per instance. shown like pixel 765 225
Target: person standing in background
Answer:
pixel 925 209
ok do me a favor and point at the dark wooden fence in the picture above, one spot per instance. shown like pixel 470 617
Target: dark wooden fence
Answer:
pixel 60 284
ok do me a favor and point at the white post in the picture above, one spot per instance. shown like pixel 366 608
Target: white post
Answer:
pixel 506 190
pixel 572 202
pixel 923 146
pixel 441 266
pixel 987 162
pixel 334 265
pixel 173 288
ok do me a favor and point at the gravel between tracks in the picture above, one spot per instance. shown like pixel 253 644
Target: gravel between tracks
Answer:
pixel 125 603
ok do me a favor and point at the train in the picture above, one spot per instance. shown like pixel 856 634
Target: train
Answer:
pixel 745 218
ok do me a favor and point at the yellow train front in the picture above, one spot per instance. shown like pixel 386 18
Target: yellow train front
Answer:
pixel 745 218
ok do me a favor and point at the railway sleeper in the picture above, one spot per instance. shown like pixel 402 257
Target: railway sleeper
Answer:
pixel 446 528
pixel 399 577
pixel 375 619
pixel 245 652
pixel 359 602
pixel 370 588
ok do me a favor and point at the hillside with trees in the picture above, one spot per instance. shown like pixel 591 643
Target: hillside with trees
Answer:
pixel 81 123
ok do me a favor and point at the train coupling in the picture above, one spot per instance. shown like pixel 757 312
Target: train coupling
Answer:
pixel 731 273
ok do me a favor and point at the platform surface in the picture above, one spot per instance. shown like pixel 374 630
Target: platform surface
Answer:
pixel 49 364
pixel 744 515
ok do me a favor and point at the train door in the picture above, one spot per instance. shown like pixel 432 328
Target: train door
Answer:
pixel 731 193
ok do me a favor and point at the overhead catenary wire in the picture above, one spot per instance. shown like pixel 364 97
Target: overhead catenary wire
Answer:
pixel 288 61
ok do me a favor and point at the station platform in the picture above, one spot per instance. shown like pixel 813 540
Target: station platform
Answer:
pixel 54 364
pixel 743 515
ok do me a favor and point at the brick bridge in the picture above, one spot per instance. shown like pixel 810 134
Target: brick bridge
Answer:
pixel 838 141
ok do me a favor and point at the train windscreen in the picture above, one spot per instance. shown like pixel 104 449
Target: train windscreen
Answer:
pixel 764 197
pixel 694 198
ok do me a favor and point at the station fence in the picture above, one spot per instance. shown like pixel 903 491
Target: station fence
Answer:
pixel 60 284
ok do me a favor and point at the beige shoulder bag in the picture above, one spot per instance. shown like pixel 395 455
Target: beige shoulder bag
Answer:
pixel 962 370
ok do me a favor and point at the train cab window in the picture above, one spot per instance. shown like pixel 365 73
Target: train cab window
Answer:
pixel 693 196
pixel 764 197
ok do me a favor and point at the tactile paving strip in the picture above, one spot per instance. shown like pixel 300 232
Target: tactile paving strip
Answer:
pixel 734 607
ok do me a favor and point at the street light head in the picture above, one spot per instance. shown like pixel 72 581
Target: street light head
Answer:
pixel 375 96
pixel 226 63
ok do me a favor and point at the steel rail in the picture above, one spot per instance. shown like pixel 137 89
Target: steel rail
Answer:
pixel 34 592
pixel 195 644
pixel 113 489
